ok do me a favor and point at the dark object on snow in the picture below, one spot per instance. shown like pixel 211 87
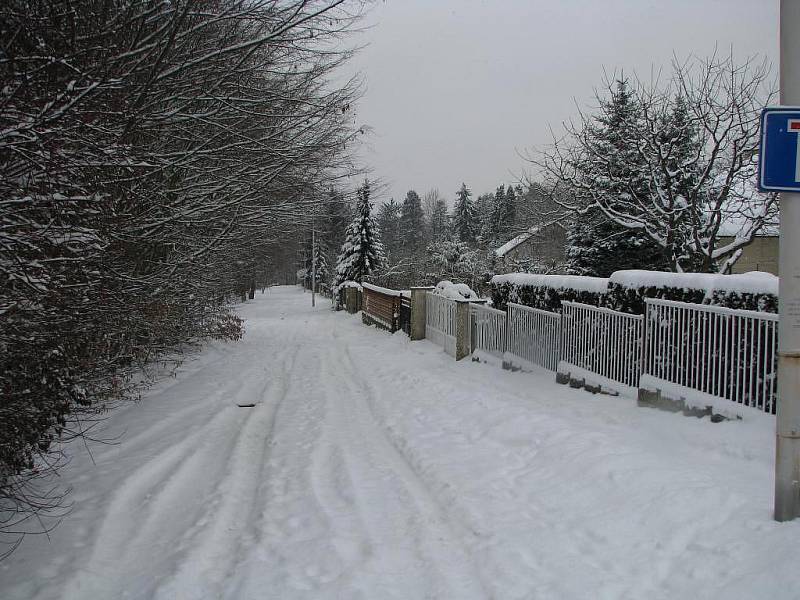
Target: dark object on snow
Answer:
pixel 245 405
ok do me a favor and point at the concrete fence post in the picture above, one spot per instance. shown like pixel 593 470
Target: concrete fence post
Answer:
pixel 418 311
pixel 462 329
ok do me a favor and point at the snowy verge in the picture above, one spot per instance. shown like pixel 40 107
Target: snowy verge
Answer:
pixel 695 399
pixel 605 384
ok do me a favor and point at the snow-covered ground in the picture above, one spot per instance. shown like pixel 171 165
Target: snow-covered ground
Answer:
pixel 376 468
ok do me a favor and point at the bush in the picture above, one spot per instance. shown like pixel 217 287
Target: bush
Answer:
pixel 546 292
pixel 626 291
pixel 749 291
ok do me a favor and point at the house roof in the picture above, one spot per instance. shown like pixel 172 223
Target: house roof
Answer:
pixel 513 243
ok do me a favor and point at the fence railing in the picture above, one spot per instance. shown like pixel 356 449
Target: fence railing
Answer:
pixel 731 354
pixel 675 349
pixel 602 341
pixel 440 321
pixel 487 330
pixel 534 336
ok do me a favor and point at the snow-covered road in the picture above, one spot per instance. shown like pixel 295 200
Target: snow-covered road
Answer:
pixel 372 467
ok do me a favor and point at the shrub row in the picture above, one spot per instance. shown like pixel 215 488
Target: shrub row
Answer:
pixel 626 290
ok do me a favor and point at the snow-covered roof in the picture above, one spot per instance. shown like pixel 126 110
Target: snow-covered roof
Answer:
pixel 596 285
pixel 511 244
pixel 382 290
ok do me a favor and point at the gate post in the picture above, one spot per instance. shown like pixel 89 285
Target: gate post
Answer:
pixel 418 311
pixel 462 329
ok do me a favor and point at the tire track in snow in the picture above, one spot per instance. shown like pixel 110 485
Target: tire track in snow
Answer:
pixel 218 548
pixel 408 528
pixel 161 506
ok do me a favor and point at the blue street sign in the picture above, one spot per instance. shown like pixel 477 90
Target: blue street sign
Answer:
pixel 779 155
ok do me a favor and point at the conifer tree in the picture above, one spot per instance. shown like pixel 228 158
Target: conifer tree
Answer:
pixel 465 224
pixel 412 222
pixel 362 251
pixel 485 213
pixel 389 225
pixel 595 244
pixel 318 254
pixel 439 225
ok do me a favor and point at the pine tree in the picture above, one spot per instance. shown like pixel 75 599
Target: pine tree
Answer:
pixel 389 225
pixel 362 252
pixel 596 245
pixel 505 213
pixel 465 223
pixel 412 222
pixel 439 225
pixel 485 214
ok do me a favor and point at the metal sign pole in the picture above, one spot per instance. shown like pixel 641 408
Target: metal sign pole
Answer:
pixel 787 454
pixel 313 264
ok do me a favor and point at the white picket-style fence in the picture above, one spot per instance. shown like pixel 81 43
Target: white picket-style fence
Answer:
pixel 487 330
pixel 726 353
pixel 678 347
pixel 440 321
pixel 603 342
pixel 534 337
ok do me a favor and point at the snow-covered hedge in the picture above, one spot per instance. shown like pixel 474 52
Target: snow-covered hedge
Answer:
pixel 626 290
pixel 455 291
pixel 547 291
pixel 752 291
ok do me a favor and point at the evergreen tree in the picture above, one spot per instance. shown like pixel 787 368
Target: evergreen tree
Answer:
pixel 465 223
pixel 319 255
pixel 497 210
pixel 485 214
pixel 362 252
pixel 412 222
pixel 389 225
pixel 596 245
pixel 505 212
pixel 679 138
pixel 439 225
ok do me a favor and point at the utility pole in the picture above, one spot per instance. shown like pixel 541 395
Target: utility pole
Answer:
pixel 313 264
pixel 787 453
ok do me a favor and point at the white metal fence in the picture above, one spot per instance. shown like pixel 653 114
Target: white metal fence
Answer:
pixel 440 321
pixel 534 336
pixel 487 330
pixel 602 341
pixel 721 352
pixel 726 353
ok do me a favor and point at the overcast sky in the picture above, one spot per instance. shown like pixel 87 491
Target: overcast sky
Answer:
pixel 455 88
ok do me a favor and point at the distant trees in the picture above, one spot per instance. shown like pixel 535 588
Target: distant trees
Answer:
pixel 465 222
pixel 682 168
pixel 412 223
pixel 439 221
pixel 152 157
pixel 362 253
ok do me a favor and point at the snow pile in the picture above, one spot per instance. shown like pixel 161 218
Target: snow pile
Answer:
pixel 754 282
pixel 347 284
pixel 455 291
pixel 578 283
